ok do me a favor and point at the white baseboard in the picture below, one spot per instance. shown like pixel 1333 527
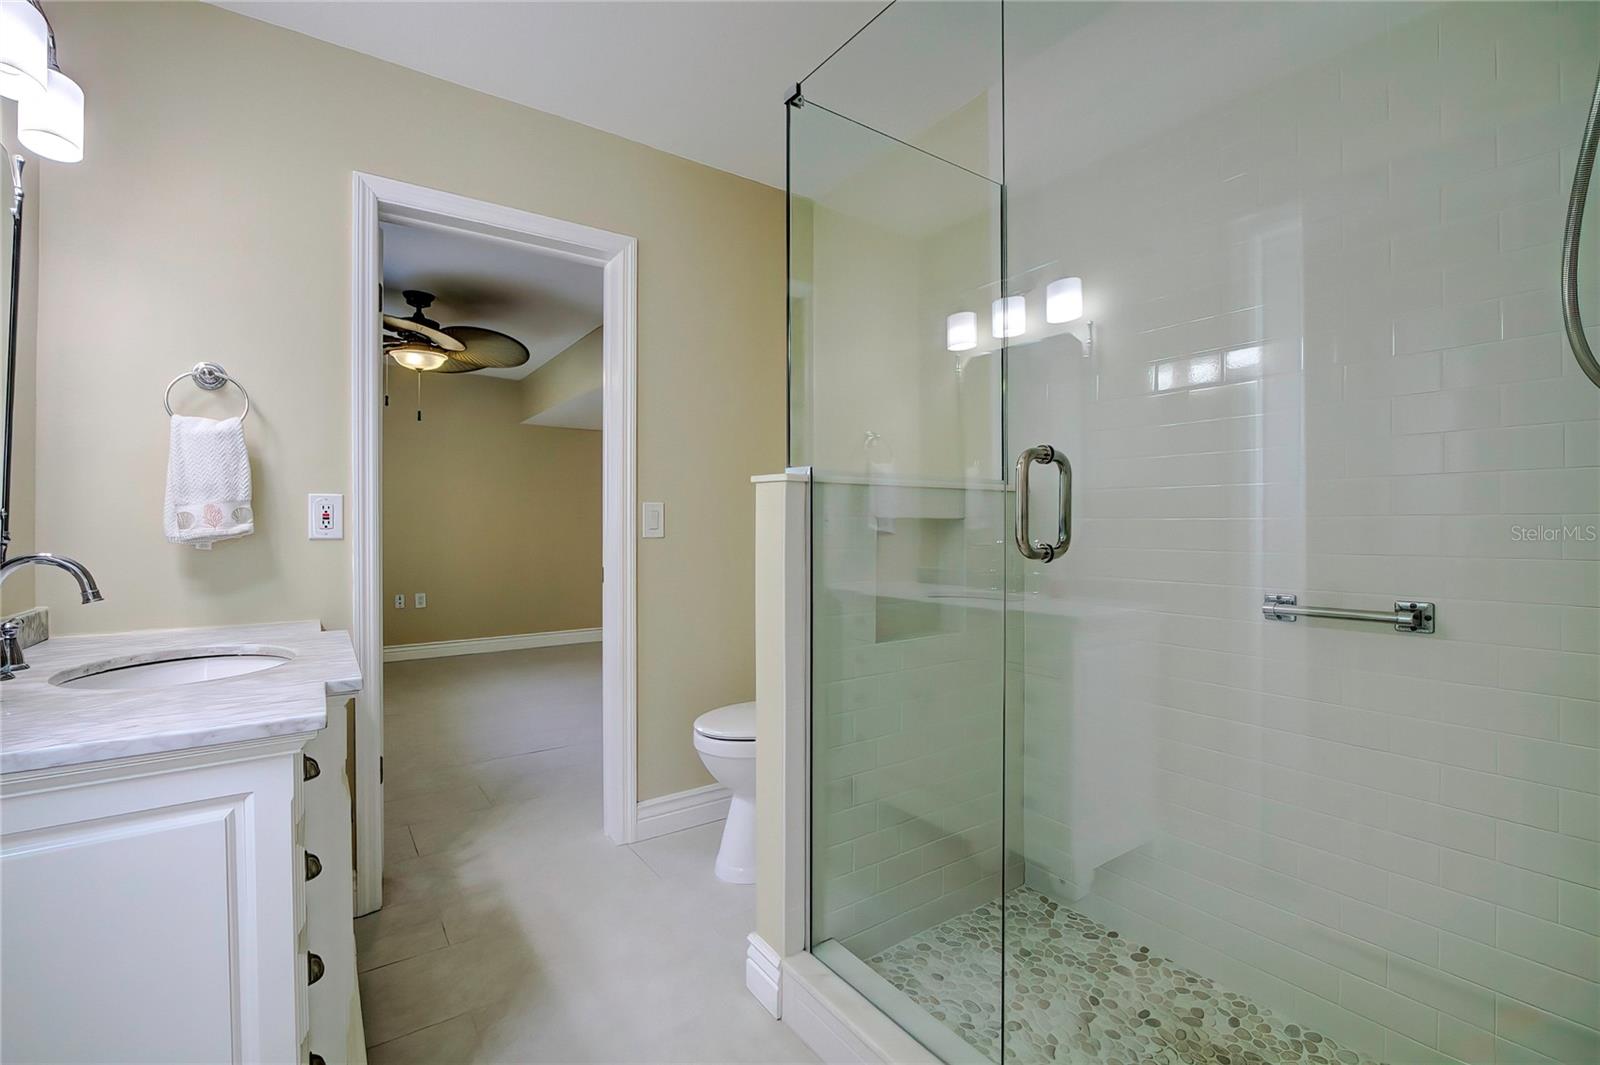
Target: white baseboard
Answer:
pixel 763 973
pixel 406 652
pixel 681 810
pixel 838 1023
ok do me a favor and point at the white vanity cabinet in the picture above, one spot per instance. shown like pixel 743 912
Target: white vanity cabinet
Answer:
pixel 175 906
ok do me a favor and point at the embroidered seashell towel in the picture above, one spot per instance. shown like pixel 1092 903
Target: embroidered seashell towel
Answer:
pixel 208 482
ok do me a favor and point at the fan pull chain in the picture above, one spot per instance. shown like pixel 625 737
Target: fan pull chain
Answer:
pixel 419 395
pixel 386 362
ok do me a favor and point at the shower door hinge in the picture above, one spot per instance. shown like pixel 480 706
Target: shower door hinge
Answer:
pixel 796 98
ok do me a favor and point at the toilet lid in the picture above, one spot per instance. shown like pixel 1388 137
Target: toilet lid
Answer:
pixel 736 722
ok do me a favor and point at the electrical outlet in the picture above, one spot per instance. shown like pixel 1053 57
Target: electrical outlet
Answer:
pixel 420 600
pixel 400 601
pixel 325 516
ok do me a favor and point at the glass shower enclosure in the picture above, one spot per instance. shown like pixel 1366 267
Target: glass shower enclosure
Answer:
pixel 1205 580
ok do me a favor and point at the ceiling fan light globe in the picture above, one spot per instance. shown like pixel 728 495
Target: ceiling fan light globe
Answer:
pixel 417 357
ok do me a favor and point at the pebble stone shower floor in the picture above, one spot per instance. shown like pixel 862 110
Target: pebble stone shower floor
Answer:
pixel 1076 991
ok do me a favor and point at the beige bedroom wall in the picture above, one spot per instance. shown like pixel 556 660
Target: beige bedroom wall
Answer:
pixel 498 522
pixel 576 370
pixel 210 218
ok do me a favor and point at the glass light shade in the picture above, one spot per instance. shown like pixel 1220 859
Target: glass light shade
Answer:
pixel 1242 359
pixel 961 331
pixel 24 50
pixel 51 123
pixel 1063 300
pixel 417 357
pixel 1205 370
pixel 1008 317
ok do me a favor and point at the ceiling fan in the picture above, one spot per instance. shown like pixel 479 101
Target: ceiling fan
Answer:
pixel 419 343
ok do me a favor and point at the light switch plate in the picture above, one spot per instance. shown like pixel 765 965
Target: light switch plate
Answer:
pixel 325 516
pixel 653 520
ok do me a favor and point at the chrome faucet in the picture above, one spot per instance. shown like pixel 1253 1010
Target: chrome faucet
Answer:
pixel 11 660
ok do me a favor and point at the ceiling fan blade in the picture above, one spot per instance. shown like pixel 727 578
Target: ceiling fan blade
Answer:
pixel 452 364
pixel 486 349
pixel 437 337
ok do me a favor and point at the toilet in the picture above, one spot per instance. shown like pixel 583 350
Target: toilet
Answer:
pixel 726 740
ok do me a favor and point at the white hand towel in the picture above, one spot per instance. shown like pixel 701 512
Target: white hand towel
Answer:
pixel 208 482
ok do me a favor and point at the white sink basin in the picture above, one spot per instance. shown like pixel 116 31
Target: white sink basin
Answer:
pixel 171 668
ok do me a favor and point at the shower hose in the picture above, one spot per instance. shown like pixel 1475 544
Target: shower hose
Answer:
pixel 1571 314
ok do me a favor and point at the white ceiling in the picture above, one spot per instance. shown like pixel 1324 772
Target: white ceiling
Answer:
pixel 703 80
pixel 546 302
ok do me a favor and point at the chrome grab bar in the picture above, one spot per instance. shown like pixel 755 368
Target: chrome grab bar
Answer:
pixel 1045 455
pixel 1408 615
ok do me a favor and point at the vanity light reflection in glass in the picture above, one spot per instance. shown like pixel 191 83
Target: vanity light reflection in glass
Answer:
pixel 1210 368
pixel 961 331
pixel 1008 317
pixel 1063 300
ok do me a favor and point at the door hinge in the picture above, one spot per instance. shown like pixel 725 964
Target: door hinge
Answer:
pixel 380 769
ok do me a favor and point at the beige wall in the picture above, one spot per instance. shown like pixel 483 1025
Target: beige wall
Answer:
pixel 576 370
pixel 498 522
pixel 210 219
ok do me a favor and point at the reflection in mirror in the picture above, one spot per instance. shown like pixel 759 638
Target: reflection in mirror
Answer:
pixel 11 267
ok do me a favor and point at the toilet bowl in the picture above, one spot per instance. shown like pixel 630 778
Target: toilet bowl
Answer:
pixel 726 740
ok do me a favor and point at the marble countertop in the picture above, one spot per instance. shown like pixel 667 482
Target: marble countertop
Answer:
pixel 45 725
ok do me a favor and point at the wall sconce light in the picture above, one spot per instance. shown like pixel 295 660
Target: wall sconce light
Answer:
pixel 49 104
pixel 24 49
pixel 1063 300
pixel 961 331
pixel 50 123
pixel 1008 317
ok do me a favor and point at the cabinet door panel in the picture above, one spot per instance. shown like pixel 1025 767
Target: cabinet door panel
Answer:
pixel 119 938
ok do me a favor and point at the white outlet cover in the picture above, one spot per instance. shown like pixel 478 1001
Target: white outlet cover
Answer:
pixel 325 516
pixel 420 600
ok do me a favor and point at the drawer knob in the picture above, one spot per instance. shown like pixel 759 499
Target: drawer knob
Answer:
pixel 311 769
pixel 313 866
pixel 314 967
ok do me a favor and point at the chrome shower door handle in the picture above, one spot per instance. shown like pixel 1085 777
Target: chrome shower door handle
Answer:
pixel 1044 455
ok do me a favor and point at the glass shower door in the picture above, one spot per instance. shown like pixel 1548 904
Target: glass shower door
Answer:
pixel 895 408
pixel 1287 280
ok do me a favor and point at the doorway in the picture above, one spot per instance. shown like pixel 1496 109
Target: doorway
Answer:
pixel 379 202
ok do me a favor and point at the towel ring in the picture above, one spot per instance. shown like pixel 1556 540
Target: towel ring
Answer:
pixel 210 377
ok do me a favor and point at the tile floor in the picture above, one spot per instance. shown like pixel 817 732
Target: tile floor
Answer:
pixel 512 929
pixel 1077 991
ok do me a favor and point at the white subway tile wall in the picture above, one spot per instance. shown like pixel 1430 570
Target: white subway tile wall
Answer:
pixel 906 698
pixel 1392 838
